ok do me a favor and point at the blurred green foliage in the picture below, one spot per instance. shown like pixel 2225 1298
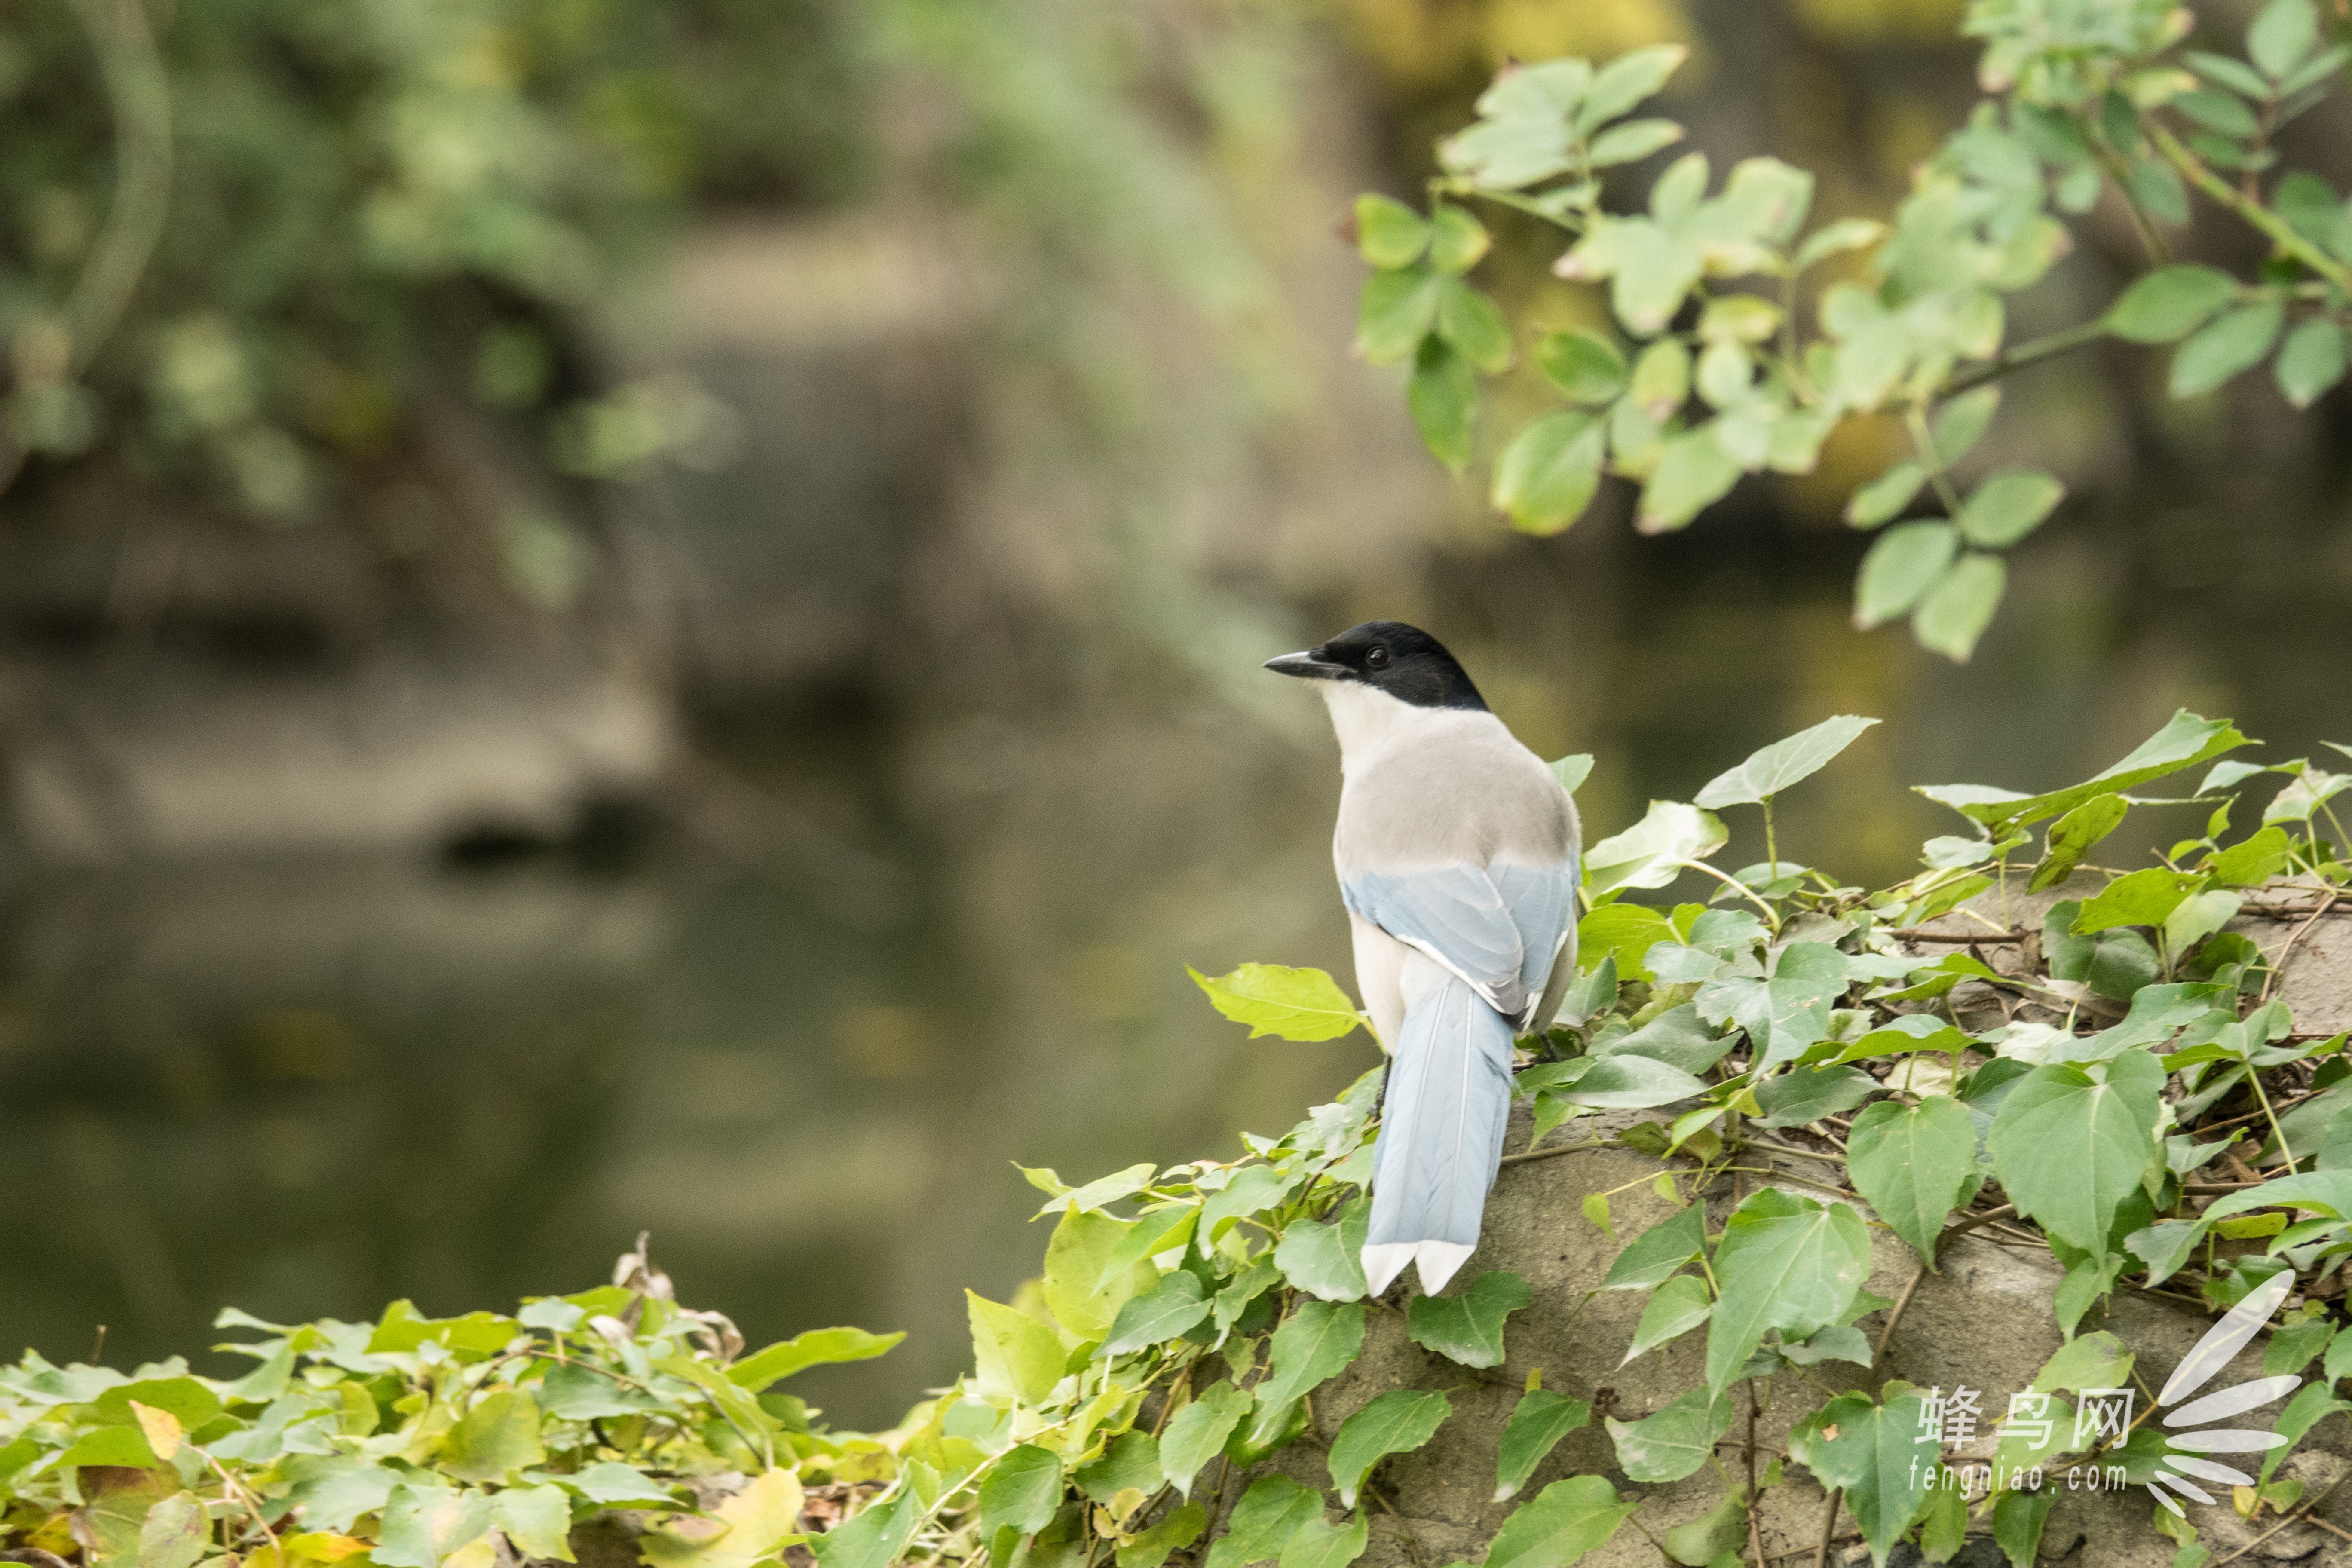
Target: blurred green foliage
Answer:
pixel 244 239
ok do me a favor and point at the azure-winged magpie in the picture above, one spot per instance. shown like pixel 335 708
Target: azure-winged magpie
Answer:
pixel 1456 851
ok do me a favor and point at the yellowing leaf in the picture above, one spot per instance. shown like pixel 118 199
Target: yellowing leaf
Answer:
pixel 759 1520
pixel 162 1427
pixel 1273 999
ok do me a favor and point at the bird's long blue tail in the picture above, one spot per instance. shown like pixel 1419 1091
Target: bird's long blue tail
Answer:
pixel 1441 1137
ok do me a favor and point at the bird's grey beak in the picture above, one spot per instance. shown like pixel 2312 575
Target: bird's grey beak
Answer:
pixel 1306 666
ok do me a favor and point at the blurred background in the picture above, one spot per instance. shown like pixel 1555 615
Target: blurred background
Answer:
pixel 630 615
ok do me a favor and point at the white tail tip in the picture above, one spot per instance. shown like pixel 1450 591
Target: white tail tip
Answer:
pixel 1439 1259
pixel 1383 1261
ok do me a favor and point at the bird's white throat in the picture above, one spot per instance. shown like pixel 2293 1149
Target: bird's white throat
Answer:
pixel 1367 720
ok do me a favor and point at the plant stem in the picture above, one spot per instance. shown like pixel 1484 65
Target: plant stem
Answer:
pixel 2256 1079
pixel 1923 441
pixel 1772 845
pixel 1742 888
pixel 2034 350
pixel 2253 212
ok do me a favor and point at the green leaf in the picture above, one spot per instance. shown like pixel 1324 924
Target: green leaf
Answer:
pixel 1396 1423
pixel 1652 853
pixel 1914 1164
pixel 1081 1290
pixel 1571 771
pixel 1197 1434
pixel 1539 1420
pixel 1130 1459
pixel 2169 303
pixel 2283 37
pixel 1662 378
pixel 2072 835
pixel 1785 1264
pixel 499 1436
pixel 1957 608
pixel 1389 234
pixel 2138 899
pixel 1473 324
pixel 1322 1258
pixel 1012 1353
pixel 1585 366
pixel 1961 422
pixel 1177 1530
pixel 2328 1193
pixel 1320 1544
pixel 2069 1147
pixel 1901 566
pixel 2312 1405
pixel 2234 342
pixel 1718 1534
pixel 1457 241
pixel 1692 473
pixel 872 1538
pixel 758 1522
pixel 1021 1491
pixel 1468 1329
pixel 1632 142
pixel 1783 763
pixel 1624 933
pixel 1547 475
pixel 1674 1309
pixel 1808 1094
pixel 2185 741
pixel 1442 395
pixel 1621 84
pixel 2007 506
pixel 1397 311
pixel 1301 1005
pixel 1314 1344
pixel 1674 1442
pixel 1885 496
pixel 2256 860
pixel 816 1347
pixel 1558 1525
pixel 1268 1515
pixel 1845 234
pixel 2312 361
pixel 1630 1083
pixel 424 1524
pixel 1875 1456
pixel 2017 1520
pixel 175 1532
pixel 1098 1193
pixel 1169 1310
pixel 1659 1252
pixel 538 1519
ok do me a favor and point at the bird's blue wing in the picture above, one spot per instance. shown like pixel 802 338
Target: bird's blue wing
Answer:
pixel 1497 926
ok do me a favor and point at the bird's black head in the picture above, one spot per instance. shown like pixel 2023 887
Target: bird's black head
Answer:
pixel 1388 655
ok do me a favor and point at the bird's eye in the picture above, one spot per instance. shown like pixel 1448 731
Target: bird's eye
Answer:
pixel 1377 660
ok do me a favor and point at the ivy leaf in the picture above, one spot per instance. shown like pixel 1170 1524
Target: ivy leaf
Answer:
pixel 1468 1329
pixel 1659 1252
pixel 1914 1162
pixel 1539 1420
pixel 1677 1307
pixel 1320 1544
pixel 498 1436
pixel 1783 763
pixel 2136 899
pixel 1785 1264
pixel 175 1532
pixel 1901 566
pixel 2234 342
pixel 1314 1344
pixel 423 1524
pixel 1081 1292
pixel 1560 1524
pixel 1674 1442
pixel 1630 1083
pixel 2169 303
pixel 1808 1094
pixel 1650 853
pixel 1301 1005
pixel 2185 741
pixel 1547 475
pixel 1956 610
pixel 1396 1423
pixel 1322 1258
pixel 1585 366
pixel 1624 933
pixel 1169 1310
pixel 1013 1353
pixel 1197 1434
pixel 816 1347
pixel 1021 1491
pixel 538 1519
pixel 2007 506
pixel 2069 1147
pixel 2072 835
pixel 2328 1193
pixel 2312 361
pixel 1177 1530
pixel 1131 1460
pixel 1875 1458
pixel 1267 1515
pixel 1714 1535
pixel 1389 234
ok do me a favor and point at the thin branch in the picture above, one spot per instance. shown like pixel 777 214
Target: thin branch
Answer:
pixel 1894 1316
pixel 2253 212
pixel 2032 352
pixel 1829 1531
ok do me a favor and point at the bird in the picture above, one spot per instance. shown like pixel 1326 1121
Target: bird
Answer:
pixel 1456 851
